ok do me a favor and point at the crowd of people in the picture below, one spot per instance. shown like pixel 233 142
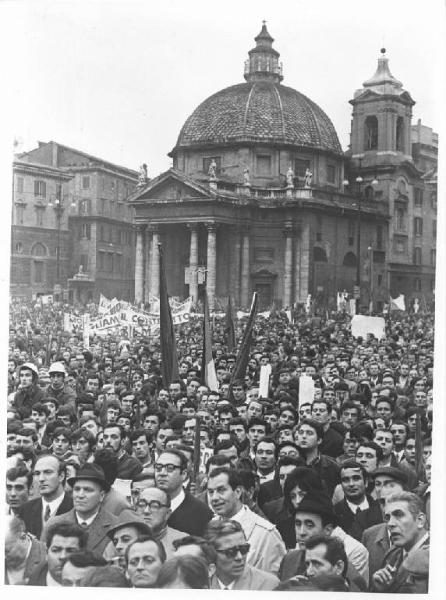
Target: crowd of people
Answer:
pixel 116 478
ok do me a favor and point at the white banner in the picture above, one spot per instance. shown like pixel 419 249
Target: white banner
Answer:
pixel 306 389
pixel 265 372
pixel 363 325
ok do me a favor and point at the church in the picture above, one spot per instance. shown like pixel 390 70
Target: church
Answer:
pixel 261 197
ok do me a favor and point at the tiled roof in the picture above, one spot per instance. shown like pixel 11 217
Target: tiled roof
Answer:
pixel 259 112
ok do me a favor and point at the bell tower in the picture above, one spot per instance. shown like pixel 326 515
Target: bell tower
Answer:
pixel 381 118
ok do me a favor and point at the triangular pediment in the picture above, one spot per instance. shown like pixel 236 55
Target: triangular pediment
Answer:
pixel 172 185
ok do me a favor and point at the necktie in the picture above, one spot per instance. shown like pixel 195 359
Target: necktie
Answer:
pixel 47 514
pixel 358 510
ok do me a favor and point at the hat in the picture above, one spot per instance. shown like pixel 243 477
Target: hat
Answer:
pixel 93 472
pixel 31 367
pixel 392 472
pixel 318 505
pixel 57 367
pixel 124 519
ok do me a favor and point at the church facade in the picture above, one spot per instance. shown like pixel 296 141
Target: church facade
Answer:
pixel 261 197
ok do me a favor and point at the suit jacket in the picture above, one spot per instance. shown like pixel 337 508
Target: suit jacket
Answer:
pixel 98 539
pixel 412 574
pixel 269 491
pixel 275 511
pixel 332 443
pixel 191 516
pixel 267 547
pixel 36 556
pixel 31 513
pixel 376 540
pixel 294 564
pixel 251 579
pixel 38 576
pixel 355 524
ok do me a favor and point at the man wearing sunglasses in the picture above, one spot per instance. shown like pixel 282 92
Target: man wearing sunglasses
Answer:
pixel 188 514
pixel 231 550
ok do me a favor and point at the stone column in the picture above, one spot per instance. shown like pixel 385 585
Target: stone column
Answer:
pixel 193 262
pixel 139 264
pixel 288 265
pixel 155 267
pixel 148 259
pixel 211 275
pixel 235 267
pixel 244 287
pixel 302 263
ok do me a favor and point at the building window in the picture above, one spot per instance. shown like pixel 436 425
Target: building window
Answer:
pixel 417 256
pixel 434 229
pixel 38 271
pixel 400 134
pixel 434 200
pixel 433 257
pixel 319 254
pixel 110 262
pixel 207 163
pixel 40 189
pixel 331 174
pixel 101 233
pixel 379 237
pixel 371 133
pixel 112 208
pixel 417 284
pixel 112 185
pixel 300 166
pixel 19 212
pixel 101 261
pixel 84 206
pixel 39 216
pixel 84 261
pixel 349 260
pixel 85 182
pixel 18 248
pixel 432 285
pixel 400 245
pixel 351 232
pixel 118 263
pixel 380 279
pixel 369 192
pixel 418 226
pixel 418 193
pixel 86 231
pixel 263 165
pixel 400 219
pixel 59 192
pixel 19 182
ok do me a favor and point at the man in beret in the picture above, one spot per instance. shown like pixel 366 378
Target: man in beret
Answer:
pixel 89 488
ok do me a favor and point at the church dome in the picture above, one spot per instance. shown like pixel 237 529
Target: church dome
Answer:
pixel 260 110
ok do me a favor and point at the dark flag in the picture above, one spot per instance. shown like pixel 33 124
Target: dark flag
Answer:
pixel 243 354
pixel 229 327
pixel 208 376
pixel 419 463
pixel 169 359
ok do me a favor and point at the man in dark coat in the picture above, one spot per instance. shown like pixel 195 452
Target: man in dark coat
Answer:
pixel 49 477
pixel 356 503
pixel 115 438
pixel 28 393
pixel 188 513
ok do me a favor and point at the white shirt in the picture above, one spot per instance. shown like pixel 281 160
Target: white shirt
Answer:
pixel 267 477
pixel 225 587
pixel 54 505
pixel 88 521
pixel 16 576
pixel 52 582
pixel 175 502
pixel 354 507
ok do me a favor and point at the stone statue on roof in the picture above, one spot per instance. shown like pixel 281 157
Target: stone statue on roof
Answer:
pixel 290 177
pixel 246 180
pixel 212 172
pixel 142 177
pixel 308 178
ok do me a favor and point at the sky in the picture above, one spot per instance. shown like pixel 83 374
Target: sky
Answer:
pixel 118 79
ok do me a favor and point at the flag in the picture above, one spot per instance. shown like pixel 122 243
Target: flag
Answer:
pixel 208 376
pixel 397 303
pixel 243 353
pixel 419 463
pixel 229 327
pixel 169 359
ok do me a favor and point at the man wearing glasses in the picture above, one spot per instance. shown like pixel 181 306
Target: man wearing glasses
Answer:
pixel 231 549
pixel 153 505
pixel 188 514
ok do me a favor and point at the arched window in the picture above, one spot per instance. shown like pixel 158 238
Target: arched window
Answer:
pixel 369 192
pixel 371 133
pixel 349 260
pixel 39 250
pixel 319 254
pixel 400 134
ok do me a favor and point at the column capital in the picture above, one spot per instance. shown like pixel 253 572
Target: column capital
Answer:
pixel 153 228
pixel 288 229
pixel 192 226
pixel 139 228
pixel 211 226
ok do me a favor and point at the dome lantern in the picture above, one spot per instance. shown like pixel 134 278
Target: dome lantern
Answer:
pixel 263 62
